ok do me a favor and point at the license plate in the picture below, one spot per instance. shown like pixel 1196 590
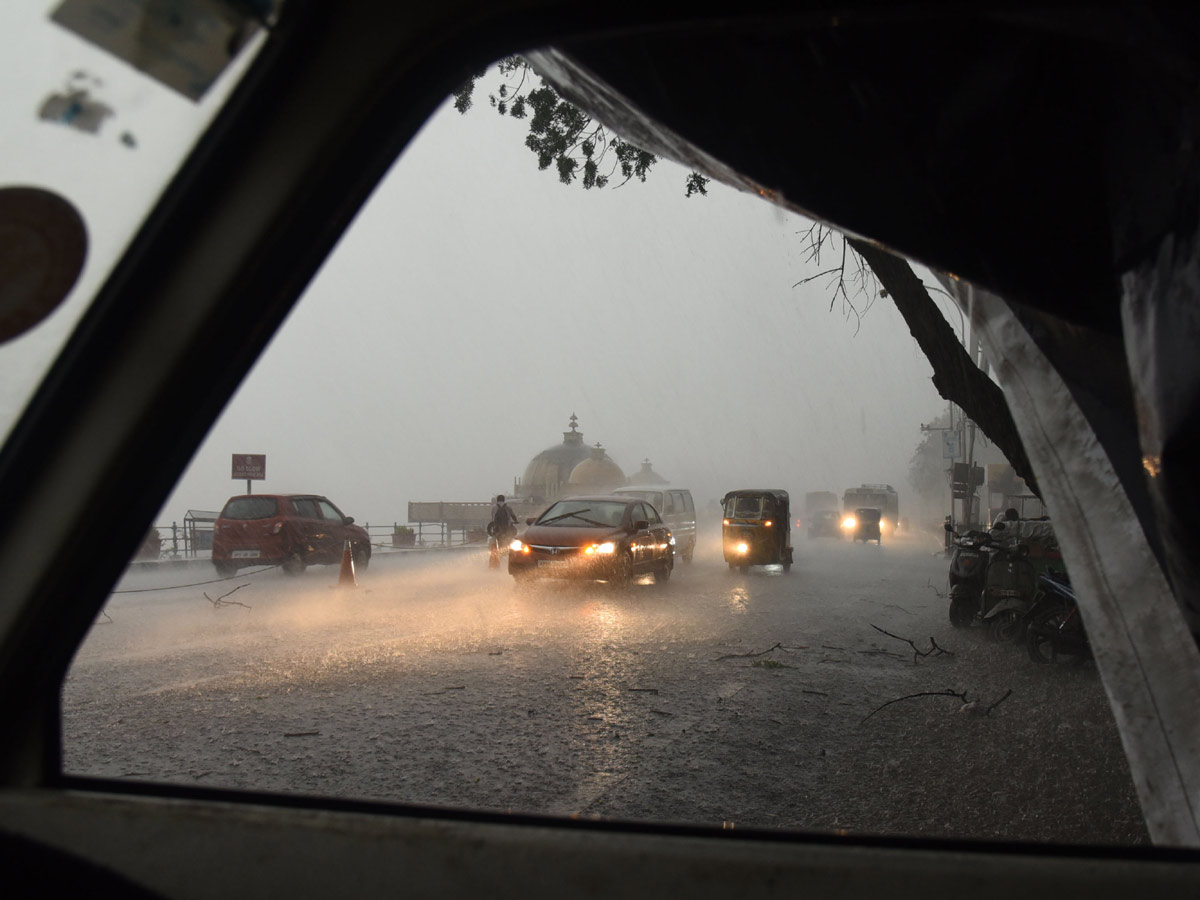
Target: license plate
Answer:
pixel 553 563
pixel 245 554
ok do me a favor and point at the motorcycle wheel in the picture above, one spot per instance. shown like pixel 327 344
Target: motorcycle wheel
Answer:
pixel 1004 626
pixel 962 611
pixel 1039 639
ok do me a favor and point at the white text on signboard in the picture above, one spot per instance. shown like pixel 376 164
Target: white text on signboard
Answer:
pixel 251 466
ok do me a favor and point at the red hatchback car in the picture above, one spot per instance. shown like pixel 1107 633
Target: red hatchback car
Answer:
pixel 288 530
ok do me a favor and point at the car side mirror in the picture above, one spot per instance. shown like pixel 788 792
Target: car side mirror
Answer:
pixel 529 520
pixel 641 525
pixel 349 520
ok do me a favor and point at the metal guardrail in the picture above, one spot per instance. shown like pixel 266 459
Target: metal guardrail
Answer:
pixel 192 539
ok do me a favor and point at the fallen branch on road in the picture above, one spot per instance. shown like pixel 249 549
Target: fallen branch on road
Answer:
pixel 934 649
pixel 961 695
pixel 776 646
pixel 879 651
pixel 769 664
pixel 971 707
pixel 221 601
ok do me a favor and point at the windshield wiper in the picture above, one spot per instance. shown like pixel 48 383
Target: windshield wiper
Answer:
pixel 576 514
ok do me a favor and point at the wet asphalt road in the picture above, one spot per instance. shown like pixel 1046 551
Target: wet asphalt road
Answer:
pixel 720 698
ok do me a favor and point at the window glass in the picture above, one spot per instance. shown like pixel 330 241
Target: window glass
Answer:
pixel 480 312
pixel 250 508
pixel 746 507
pixel 306 507
pixel 329 512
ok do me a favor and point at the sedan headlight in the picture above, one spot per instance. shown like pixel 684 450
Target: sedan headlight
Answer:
pixel 518 547
pixel 605 549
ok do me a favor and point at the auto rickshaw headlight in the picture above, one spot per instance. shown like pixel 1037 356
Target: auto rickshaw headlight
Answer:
pixel 724 521
pixel 768 523
pixel 743 548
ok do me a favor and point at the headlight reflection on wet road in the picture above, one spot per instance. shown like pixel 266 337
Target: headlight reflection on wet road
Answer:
pixel 738 600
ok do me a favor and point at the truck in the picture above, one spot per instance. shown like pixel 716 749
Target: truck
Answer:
pixel 882 497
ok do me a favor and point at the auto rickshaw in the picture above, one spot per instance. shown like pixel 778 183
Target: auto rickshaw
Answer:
pixel 755 529
pixel 865 525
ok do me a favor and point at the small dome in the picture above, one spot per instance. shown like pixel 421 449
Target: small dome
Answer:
pixel 647 475
pixel 596 473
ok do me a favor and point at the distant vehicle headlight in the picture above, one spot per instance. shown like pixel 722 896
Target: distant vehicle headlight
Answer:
pixel 849 522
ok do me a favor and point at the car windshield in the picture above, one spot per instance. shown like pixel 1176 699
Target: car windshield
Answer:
pixel 470 338
pixel 573 513
pixel 745 507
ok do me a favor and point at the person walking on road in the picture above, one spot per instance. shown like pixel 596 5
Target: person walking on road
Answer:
pixel 502 528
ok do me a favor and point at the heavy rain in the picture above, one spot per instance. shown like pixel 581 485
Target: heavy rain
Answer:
pixel 478 310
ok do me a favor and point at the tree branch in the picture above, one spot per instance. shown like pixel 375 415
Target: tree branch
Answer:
pixel 955 376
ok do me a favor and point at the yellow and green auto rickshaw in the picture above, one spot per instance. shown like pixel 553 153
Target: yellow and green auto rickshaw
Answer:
pixel 755 529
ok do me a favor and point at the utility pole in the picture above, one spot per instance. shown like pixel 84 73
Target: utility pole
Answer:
pixel 951 448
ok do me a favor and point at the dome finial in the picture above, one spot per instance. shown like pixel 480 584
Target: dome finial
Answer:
pixel 574 421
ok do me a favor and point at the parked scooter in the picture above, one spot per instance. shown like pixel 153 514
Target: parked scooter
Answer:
pixel 1054 630
pixel 968 568
pixel 991 583
pixel 1009 592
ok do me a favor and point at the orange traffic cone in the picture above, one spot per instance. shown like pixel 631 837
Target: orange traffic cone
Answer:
pixel 346 576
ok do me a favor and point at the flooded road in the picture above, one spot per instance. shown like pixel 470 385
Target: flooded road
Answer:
pixel 719 698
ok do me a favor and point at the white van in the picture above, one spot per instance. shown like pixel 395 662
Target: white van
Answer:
pixel 678 511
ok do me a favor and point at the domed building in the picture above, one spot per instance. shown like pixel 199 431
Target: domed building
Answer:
pixel 547 474
pixel 647 476
pixel 595 475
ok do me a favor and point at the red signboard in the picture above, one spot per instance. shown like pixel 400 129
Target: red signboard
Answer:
pixel 250 466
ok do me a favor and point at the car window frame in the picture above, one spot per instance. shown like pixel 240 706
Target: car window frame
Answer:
pixel 34 761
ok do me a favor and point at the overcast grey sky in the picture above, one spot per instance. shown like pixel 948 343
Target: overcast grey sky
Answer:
pixel 477 303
